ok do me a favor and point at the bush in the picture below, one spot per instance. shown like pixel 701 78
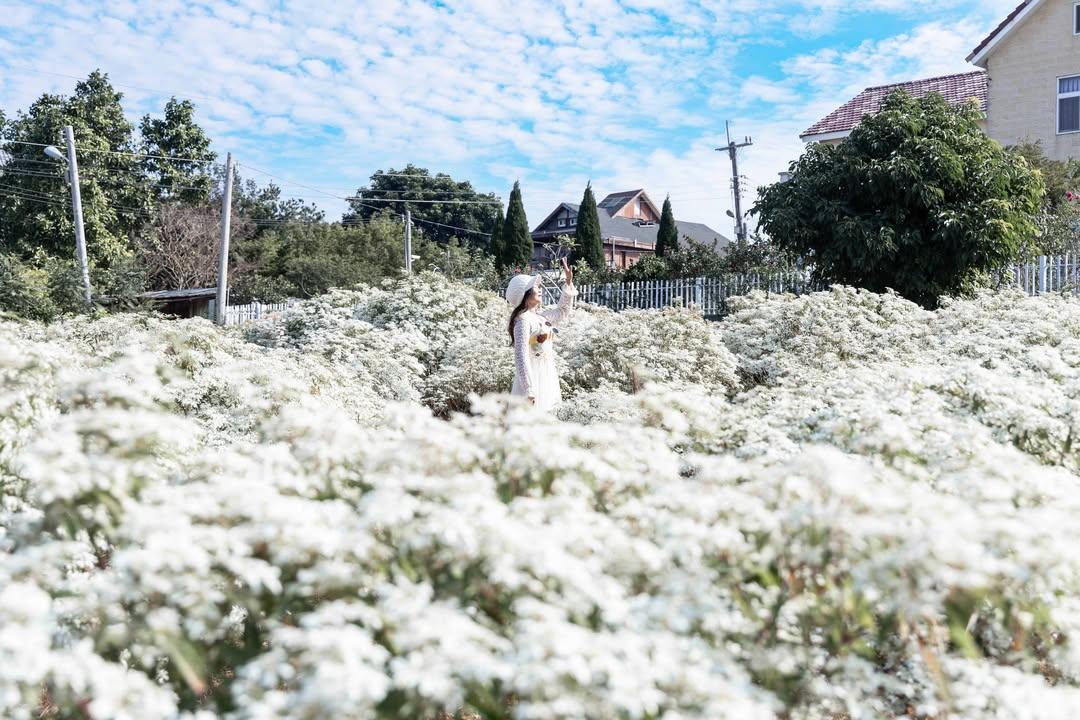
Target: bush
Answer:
pixel 196 525
pixel 917 199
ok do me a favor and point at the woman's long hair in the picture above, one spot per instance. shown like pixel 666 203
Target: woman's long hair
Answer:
pixel 522 307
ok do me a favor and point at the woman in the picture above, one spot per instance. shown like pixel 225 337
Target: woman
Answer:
pixel 532 335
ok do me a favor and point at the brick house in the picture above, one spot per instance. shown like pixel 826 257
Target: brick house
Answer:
pixel 1028 85
pixel 629 222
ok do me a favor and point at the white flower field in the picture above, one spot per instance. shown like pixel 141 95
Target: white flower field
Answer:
pixel 834 506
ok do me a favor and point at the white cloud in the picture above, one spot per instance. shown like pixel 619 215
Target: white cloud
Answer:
pixel 627 92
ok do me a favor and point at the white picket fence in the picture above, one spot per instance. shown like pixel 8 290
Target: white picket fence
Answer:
pixel 708 294
pixel 239 314
pixel 1060 273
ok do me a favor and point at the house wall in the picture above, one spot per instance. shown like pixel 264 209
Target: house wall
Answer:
pixel 1024 69
pixel 644 212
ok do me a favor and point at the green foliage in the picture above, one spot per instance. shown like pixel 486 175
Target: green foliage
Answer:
pixel 458 262
pixel 177 135
pixel 917 199
pixel 392 190
pixel 495 244
pixel 515 236
pixel 667 237
pixel 649 267
pixel 46 287
pixel 1059 220
pixel 756 254
pixel 307 259
pixel 1060 177
pixel 584 274
pixel 115 197
pixel 589 240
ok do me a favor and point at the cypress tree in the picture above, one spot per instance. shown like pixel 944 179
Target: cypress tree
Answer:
pixel 495 244
pixel 590 244
pixel 667 237
pixel 516 241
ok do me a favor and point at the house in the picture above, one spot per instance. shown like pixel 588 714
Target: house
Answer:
pixel 1033 60
pixel 629 222
pixel 187 303
pixel 1028 84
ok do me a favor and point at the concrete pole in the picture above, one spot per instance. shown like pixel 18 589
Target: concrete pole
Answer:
pixel 76 211
pixel 408 241
pixel 223 257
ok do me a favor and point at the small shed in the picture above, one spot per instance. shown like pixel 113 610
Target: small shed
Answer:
pixel 192 302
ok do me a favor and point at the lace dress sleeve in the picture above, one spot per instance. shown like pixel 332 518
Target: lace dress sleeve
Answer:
pixel 522 366
pixel 564 309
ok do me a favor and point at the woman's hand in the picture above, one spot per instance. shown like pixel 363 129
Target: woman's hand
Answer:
pixel 567 272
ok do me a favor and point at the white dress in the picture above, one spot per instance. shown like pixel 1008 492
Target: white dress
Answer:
pixel 534 361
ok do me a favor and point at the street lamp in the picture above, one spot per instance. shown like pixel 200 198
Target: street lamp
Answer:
pixel 76 206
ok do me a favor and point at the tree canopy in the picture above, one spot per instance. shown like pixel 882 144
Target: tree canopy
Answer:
pixel 397 190
pixel 667 236
pixel 515 237
pixel 917 199
pixel 589 239
pixel 177 135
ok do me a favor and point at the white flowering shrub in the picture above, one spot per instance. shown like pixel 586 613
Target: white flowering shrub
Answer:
pixel 832 506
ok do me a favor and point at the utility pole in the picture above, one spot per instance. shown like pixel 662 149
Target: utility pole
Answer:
pixel 223 256
pixel 733 152
pixel 408 240
pixel 76 211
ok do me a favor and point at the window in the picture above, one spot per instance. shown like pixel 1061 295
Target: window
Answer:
pixel 573 220
pixel 637 208
pixel 1076 19
pixel 562 222
pixel 1069 104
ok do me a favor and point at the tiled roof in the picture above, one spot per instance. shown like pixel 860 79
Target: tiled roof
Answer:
pixel 632 233
pixel 955 88
pixel 996 31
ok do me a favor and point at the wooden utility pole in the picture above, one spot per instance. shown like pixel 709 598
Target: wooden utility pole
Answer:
pixel 733 152
pixel 223 256
pixel 76 211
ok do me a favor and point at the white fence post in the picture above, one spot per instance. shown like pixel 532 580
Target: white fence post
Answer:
pixel 1042 274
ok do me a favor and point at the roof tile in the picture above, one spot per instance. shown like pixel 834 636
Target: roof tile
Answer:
pixel 1001 26
pixel 955 88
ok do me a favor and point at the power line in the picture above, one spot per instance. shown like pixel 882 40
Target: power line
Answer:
pixel 291 182
pixel 442 192
pixel 35 197
pixel 117 152
pixel 429 202
pixel 201 161
pixel 452 227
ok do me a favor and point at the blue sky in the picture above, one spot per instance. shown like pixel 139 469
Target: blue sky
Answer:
pixel 627 93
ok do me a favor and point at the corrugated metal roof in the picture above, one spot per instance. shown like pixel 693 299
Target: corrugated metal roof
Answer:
pixel 185 294
pixel 955 88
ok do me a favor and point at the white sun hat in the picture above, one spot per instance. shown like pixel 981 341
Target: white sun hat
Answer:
pixel 518 286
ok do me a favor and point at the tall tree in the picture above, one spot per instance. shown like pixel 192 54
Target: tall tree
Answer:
pixel 460 210
pixel 667 237
pixel 495 244
pixel 516 239
pixel 589 241
pixel 177 135
pixel 917 199
pixel 35 211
